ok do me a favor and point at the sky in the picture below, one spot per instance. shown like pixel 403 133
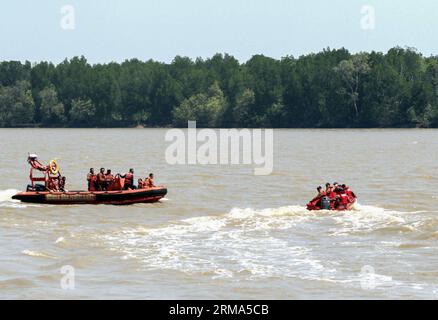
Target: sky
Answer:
pixel 115 30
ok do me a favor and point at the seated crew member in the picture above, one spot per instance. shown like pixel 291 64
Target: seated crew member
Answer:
pixel 348 191
pixel 91 178
pixel 100 180
pixel 109 179
pixel 61 184
pixel 343 198
pixel 336 187
pixel 53 184
pixel 140 183
pixel 321 193
pixel 329 190
pixel 149 182
pixel 129 180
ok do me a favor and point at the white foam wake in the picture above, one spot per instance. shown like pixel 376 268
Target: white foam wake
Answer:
pixel 237 243
pixel 6 195
pixel 6 200
pixel 250 243
pixel 366 219
pixel 36 254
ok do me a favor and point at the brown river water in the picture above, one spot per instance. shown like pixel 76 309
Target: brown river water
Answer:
pixel 223 232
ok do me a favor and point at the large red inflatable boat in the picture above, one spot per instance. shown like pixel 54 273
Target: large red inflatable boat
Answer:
pixel 119 197
pixel 337 200
pixel 50 191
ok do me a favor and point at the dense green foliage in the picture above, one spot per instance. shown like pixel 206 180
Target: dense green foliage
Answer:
pixel 332 88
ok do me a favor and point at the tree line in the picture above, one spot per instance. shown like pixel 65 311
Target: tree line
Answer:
pixel 329 89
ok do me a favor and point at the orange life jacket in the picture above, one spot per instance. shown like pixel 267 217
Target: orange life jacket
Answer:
pixel 149 183
pixel 91 178
pixel 100 177
pixel 129 179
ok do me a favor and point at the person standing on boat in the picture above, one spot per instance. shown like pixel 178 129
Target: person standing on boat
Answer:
pixel 149 182
pixel 129 180
pixel 100 181
pixel 109 179
pixel 91 178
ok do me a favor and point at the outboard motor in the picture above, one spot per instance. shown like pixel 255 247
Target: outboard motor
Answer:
pixel 325 203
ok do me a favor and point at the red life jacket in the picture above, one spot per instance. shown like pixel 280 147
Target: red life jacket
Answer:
pixel 344 198
pixel 330 193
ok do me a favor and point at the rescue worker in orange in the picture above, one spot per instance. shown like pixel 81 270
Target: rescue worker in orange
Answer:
pixel 92 179
pixel 149 182
pixel 109 179
pixel 129 180
pixel 140 183
pixel 100 180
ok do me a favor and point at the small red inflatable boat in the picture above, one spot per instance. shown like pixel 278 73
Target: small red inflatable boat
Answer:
pixel 119 197
pixel 337 200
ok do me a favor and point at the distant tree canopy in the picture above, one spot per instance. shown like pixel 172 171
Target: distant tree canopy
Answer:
pixel 333 88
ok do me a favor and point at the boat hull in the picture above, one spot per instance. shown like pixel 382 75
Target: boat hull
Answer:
pixel 122 197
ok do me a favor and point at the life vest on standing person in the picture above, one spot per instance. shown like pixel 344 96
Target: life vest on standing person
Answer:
pixel 129 179
pixel 100 180
pixel 109 180
pixel 92 180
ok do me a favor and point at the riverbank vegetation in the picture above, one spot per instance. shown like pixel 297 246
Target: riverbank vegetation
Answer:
pixel 329 89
